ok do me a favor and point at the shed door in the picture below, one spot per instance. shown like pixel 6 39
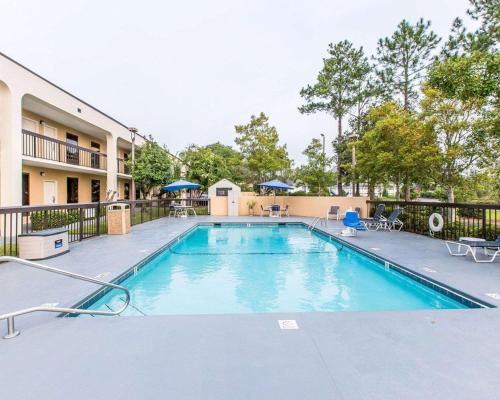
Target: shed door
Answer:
pixel 232 204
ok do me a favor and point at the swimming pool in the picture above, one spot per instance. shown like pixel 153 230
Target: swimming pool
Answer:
pixel 267 268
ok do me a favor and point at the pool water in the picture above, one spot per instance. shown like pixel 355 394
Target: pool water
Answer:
pixel 267 268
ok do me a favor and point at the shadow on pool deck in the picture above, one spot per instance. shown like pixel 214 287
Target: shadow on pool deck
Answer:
pixel 343 355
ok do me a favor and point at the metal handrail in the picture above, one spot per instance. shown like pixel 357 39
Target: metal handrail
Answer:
pixel 11 332
pixel 314 223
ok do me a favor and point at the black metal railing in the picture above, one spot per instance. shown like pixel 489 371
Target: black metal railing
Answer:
pixel 460 220
pixel 82 220
pixel 123 168
pixel 47 148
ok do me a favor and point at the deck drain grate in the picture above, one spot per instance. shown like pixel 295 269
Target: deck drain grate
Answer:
pixel 288 324
pixel 495 296
pixel 102 275
pixel 427 269
pixel 375 248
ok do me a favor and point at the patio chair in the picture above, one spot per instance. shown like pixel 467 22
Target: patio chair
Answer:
pixel 377 217
pixel 285 211
pixel 263 211
pixel 275 211
pixel 392 222
pixel 334 212
pixel 491 248
pixel 353 224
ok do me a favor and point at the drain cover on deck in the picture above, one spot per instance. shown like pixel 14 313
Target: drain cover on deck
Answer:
pixel 495 296
pixel 288 324
pixel 102 275
pixel 427 269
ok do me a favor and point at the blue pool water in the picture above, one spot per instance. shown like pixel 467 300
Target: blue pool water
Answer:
pixel 267 268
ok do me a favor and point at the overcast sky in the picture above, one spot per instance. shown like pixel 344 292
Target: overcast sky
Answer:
pixel 187 72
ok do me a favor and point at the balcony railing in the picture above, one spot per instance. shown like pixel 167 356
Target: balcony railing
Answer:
pixel 122 167
pixel 47 148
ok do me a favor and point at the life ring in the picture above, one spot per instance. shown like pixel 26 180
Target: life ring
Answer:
pixel 440 222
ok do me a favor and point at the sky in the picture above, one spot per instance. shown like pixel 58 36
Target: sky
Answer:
pixel 188 72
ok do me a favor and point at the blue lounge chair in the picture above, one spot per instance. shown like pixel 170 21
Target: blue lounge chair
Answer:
pixel 377 217
pixel 392 222
pixel 353 224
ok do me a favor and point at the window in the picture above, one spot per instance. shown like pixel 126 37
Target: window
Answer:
pixel 126 168
pixel 72 190
pixel 96 190
pixel 221 191
pixel 94 157
pixel 72 155
pixel 126 191
pixel 26 189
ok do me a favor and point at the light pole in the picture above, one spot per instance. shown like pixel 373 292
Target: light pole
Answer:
pixel 133 132
pixel 323 162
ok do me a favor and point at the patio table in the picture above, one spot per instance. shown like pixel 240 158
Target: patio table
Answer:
pixel 183 211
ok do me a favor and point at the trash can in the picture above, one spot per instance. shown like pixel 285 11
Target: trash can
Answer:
pixel 118 219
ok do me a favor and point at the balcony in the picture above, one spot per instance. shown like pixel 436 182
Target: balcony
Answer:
pixel 123 168
pixel 47 148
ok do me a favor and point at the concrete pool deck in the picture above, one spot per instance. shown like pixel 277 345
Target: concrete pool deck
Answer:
pixel 350 355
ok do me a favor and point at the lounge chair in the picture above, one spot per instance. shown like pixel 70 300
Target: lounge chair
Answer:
pixel 392 222
pixel 377 217
pixel 285 211
pixel 275 211
pixel 491 248
pixel 353 224
pixel 334 212
pixel 263 210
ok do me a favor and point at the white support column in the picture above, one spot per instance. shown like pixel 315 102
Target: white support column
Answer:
pixel 11 140
pixel 112 179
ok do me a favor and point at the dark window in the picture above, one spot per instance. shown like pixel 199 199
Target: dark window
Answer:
pixel 96 190
pixel 126 168
pixel 94 157
pixel 222 191
pixel 137 193
pixel 72 156
pixel 26 189
pixel 72 190
pixel 126 191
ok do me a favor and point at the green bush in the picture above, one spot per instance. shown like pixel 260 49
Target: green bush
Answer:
pixel 53 219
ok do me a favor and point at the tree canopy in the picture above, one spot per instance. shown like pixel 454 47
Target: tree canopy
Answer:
pixel 263 158
pixel 153 167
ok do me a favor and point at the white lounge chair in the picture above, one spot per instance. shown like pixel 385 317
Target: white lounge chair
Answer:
pixel 463 247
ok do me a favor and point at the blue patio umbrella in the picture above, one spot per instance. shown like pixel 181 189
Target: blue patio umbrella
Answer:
pixel 275 184
pixel 179 185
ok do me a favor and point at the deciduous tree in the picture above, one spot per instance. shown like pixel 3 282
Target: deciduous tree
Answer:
pixel 263 157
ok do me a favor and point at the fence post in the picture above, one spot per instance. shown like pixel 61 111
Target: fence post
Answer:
pixel 82 216
pixel 142 213
pixel 484 225
pixel 98 219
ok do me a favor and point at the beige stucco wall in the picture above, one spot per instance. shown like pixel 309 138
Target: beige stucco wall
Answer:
pixel 304 206
pixel 84 184
pixel 84 140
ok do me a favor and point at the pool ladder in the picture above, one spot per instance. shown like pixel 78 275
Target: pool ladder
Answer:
pixel 316 221
pixel 11 331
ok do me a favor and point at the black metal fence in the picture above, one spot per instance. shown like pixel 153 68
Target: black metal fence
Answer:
pixel 47 148
pixel 460 220
pixel 81 220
